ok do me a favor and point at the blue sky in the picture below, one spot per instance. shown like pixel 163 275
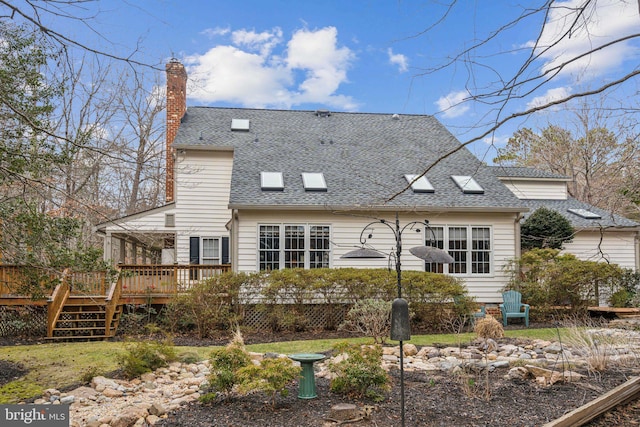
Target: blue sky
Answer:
pixel 370 55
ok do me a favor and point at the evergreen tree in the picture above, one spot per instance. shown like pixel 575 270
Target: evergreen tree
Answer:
pixel 545 228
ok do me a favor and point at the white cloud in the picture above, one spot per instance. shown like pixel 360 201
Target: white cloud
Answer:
pixel 453 105
pixel 550 96
pixel 215 32
pixel 254 73
pixel 263 42
pixel 602 22
pixel 398 59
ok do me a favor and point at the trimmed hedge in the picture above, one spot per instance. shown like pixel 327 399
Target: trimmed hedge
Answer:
pixel 282 295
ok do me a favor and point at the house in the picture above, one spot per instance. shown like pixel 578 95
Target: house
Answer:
pixel 271 189
pixel 599 235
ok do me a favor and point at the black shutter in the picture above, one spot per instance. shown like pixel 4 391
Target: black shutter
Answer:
pixel 225 250
pixel 194 250
pixel 194 256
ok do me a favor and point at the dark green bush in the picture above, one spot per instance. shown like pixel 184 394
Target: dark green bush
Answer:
pixel 146 356
pixel 549 280
pixel 360 374
pixel 545 228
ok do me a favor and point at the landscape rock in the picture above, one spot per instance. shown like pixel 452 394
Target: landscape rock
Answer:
pixel 129 417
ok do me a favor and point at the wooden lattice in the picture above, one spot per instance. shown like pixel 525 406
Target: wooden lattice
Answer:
pixel 23 321
pixel 316 316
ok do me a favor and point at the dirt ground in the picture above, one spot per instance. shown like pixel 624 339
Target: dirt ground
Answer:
pixel 434 399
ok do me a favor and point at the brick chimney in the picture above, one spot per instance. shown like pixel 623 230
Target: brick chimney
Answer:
pixel 176 107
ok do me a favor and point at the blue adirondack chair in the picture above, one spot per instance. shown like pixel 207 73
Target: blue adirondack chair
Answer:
pixel 512 307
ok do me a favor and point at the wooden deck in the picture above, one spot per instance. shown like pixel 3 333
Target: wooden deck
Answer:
pixel 94 299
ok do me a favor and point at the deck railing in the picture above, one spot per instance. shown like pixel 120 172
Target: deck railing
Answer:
pixel 135 280
pixel 165 279
pixel 58 298
pixel 14 279
pixel 89 283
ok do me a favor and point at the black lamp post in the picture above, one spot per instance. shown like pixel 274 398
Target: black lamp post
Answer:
pixel 400 327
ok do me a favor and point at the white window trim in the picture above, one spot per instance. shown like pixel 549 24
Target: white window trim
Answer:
pixel 307 242
pixel 427 236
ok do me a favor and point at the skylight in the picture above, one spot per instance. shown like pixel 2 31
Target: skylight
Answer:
pixel 314 181
pixel 467 184
pixel 584 213
pixel 271 181
pixel 239 124
pixel 421 185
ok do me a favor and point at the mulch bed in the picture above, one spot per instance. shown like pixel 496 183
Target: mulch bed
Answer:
pixel 433 399
pixel 430 400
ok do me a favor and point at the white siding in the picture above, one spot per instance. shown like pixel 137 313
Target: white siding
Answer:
pixel 617 247
pixel 345 235
pixel 203 184
pixel 539 190
pixel 151 221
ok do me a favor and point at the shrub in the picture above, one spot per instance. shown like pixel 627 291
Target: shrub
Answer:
pixel 270 377
pixel 146 356
pixel 215 304
pixel 225 363
pixel 488 328
pixel 207 306
pixel 359 373
pixel 548 279
pixel 432 297
pixel 371 318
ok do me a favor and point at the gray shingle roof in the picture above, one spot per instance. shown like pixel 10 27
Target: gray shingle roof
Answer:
pixel 607 219
pixel 363 157
pixel 524 172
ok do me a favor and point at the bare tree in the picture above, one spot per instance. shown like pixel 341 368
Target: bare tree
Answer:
pixel 140 138
pixel 506 94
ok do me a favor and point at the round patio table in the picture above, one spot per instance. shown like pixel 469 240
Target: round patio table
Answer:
pixel 307 386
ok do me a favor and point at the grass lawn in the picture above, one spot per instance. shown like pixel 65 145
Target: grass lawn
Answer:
pixel 60 365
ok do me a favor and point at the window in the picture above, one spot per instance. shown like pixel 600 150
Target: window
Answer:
pixel 421 185
pixel 469 246
pixel 458 249
pixel 210 251
pixel 467 184
pixel 269 247
pixel 271 181
pixel 584 213
pixel 293 246
pixel 314 181
pixel 207 251
pixel 319 238
pixel 239 124
pixel 435 239
pixel 480 250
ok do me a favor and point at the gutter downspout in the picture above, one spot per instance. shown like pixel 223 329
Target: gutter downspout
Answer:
pixel 517 235
pixel 234 240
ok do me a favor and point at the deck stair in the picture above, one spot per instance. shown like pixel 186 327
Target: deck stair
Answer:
pixel 75 311
pixel 85 318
